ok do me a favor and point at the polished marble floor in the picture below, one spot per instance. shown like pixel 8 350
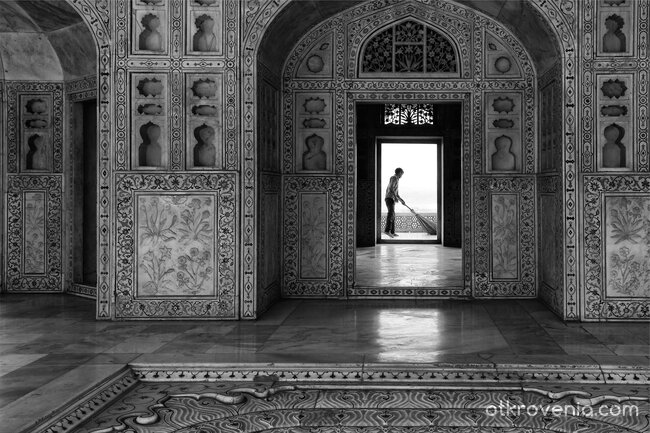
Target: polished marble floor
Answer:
pixel 52 348
pixel 409 265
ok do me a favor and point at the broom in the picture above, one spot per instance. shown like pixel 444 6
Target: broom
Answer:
pixel 425 223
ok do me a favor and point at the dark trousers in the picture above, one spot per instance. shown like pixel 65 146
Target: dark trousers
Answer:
pixel 390 218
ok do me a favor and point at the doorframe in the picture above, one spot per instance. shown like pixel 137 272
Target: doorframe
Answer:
pixel 351 100
pixel 71 286
pixel 433 140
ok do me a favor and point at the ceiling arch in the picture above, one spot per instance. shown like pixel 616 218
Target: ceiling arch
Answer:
pixel 299 16
pixel 44 40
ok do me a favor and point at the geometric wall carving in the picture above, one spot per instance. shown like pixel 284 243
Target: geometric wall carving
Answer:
pixel 504 237
pixel 34 247
pixel 176 243
pixel 313 236
pixel 616 247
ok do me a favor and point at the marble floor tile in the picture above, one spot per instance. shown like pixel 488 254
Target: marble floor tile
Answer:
pixel 408 265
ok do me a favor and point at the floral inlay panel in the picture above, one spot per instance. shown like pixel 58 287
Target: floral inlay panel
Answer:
pixel 175 243
pixel 34 247
pixel 504 242
pixel 505 258
pixel 313 254
pixel 34 230
pixel 616 247
pixel 176 238
pixel 627 240
pixel 313 235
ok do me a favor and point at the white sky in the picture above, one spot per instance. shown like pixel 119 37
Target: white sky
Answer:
pixel 420 180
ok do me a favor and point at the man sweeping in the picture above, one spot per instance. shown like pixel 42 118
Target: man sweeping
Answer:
pixel 392 196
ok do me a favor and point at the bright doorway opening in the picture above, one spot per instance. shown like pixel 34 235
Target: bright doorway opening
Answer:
pixel 419 219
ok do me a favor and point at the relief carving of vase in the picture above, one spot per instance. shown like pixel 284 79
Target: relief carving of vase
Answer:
pixel 151 152
pixel 205 153
pixel 37 156
pixel 503 159
pixel 611 149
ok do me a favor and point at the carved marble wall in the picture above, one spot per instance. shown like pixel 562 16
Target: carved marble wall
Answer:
pixel 614 162
pixel 34 186
pixel 498 137
pixel 175 157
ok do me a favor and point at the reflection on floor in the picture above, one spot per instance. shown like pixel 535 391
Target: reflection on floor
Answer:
pixel 52 349
pixel 409 265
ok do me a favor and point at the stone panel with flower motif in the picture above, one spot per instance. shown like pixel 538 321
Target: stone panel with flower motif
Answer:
pixel 175 244
pixel 627 240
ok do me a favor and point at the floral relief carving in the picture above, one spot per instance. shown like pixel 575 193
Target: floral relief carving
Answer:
pixel 616 247
pixel 34 226
pixel 313 238
pixel 504 236
pixel 176 243
pixel 176 234
pixel 628 246
pixel 34 247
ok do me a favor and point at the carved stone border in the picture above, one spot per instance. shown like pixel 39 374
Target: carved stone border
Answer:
pixel 406 292
pixel 17 186
pixel 88 404
pixel 292 284
pixel 597 306
pixel 525 284
pixel 225 304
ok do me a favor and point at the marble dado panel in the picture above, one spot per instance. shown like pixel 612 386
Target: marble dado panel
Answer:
pixel 34 246
pixel 313 236
pixel 504 237
pixel 176 240
pixel 616 247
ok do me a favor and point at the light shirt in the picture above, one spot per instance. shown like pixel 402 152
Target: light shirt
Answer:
pixel 391 190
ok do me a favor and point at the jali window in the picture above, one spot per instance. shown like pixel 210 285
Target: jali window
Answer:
pixel 409 47
pixel 409 114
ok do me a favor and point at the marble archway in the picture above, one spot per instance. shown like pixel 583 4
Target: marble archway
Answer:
pixel 477 269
